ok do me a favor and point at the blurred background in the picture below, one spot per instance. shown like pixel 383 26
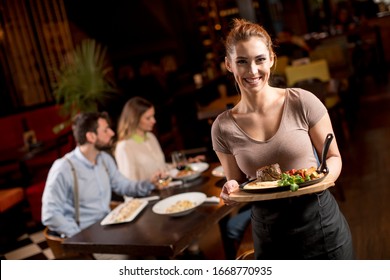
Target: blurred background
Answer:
pixel 155 47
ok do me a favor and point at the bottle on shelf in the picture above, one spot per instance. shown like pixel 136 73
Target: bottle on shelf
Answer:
pixel 29 136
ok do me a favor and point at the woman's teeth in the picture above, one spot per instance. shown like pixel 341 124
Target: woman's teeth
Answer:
pixel 252 80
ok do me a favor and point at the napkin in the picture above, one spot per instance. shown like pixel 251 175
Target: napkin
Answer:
pixel 175 183
pixel 147 198
pixel 212 199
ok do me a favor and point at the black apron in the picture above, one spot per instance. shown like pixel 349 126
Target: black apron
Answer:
pixel 305 227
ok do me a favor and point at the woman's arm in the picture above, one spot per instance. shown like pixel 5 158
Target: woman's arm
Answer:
pixel 233 176
pixel 230 167
pixel 318 134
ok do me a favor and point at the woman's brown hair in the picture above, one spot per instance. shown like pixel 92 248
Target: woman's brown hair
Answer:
pixel 243 30
pixel 131 115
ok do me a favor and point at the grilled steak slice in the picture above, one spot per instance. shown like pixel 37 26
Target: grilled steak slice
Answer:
pixel 269 173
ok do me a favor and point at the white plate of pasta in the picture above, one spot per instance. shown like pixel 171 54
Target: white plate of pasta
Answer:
pixel 125 212
pixel 180 204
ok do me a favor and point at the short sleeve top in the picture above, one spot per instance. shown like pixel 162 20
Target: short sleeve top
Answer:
pixel 290 146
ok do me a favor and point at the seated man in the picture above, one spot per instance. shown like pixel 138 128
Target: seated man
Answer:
pixel 93 171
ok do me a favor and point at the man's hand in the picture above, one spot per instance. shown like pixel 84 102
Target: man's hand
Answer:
pixel 161 180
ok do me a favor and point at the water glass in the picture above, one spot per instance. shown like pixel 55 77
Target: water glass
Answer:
pixel 179 160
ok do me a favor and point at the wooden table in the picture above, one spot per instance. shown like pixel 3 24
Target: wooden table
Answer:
pixel 156 235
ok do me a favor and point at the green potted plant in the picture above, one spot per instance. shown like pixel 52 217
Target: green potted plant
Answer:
pixel 83 81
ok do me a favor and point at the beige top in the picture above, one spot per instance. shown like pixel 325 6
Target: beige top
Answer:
pixel 139 161
pixel 291 146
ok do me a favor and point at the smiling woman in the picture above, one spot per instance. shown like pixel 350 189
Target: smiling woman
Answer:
pixel 269 125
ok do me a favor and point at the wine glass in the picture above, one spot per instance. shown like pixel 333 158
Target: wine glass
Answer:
pixel 164 178
pixel 179 160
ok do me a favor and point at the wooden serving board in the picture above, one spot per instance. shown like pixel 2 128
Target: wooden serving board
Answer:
pixel 242 196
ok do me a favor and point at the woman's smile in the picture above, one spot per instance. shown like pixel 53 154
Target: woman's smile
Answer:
pixel 252 81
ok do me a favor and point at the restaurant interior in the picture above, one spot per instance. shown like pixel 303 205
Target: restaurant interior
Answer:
pixel 171 52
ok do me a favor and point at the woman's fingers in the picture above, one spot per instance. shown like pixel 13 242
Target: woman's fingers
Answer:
pixel 231 186
pixel 226 199
pixel 228 188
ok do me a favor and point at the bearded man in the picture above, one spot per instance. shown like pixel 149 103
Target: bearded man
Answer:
pixel 89 173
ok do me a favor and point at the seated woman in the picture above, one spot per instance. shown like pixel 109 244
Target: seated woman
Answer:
pixel 138 152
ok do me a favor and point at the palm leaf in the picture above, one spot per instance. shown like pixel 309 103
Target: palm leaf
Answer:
pixel 83 80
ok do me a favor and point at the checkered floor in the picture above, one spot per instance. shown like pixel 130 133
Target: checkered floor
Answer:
pixel 29 246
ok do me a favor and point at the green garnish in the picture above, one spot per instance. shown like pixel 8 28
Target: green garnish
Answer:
pixel 292 181
pixel 188 168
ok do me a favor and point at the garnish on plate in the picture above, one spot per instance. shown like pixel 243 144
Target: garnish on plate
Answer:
pixel 294 177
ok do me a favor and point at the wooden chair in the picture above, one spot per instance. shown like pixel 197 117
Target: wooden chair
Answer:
pixel 247 255
pixel 246 244
pixel 55 244
pixel 318 72
pixel 314 70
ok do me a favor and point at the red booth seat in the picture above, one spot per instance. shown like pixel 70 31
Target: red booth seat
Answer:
pixel 34 198
pixel 41 121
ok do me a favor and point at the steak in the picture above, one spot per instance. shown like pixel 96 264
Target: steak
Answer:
pixel 269 173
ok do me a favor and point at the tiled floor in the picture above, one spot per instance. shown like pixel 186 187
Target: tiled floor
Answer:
pixel 29 246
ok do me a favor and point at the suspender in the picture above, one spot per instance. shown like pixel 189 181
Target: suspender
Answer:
pixel 105 167
pixel 76 192
pixel 76 189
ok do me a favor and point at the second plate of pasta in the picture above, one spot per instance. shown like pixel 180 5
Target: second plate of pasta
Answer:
pixel 180 204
